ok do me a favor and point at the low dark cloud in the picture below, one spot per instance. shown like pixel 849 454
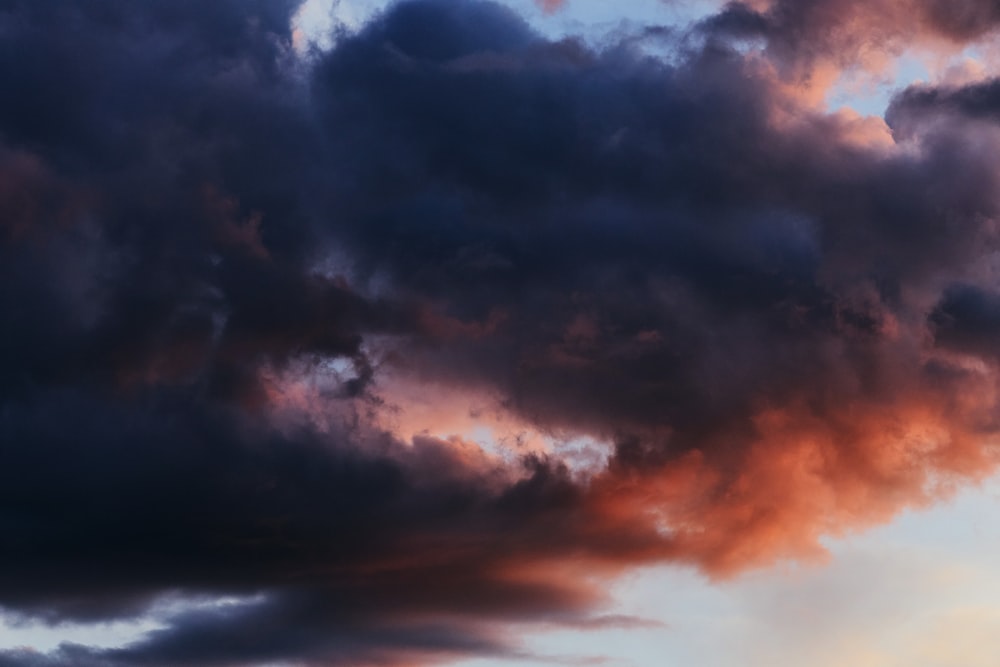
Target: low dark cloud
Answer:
pixel 915 107
pixel 220 258
pixel 968 320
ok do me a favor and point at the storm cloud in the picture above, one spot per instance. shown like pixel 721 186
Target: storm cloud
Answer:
pixel 226 259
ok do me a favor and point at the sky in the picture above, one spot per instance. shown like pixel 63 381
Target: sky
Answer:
pixel 453 332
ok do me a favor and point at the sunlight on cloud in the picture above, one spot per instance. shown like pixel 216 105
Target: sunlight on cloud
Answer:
pixel 920 592
pixel 548 331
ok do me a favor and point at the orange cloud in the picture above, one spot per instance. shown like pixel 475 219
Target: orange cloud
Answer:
pixel 550 6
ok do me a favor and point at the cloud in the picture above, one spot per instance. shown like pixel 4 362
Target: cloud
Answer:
pixel 224 266
pixel 914 105
pixel 852 32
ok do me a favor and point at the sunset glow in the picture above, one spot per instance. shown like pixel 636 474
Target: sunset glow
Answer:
pixel 499 332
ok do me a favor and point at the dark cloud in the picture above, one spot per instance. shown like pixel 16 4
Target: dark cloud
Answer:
pixel 640 229
pixel 916 107
pixel 968 320
pixel 161 229
pixel 401 548
pixel 218 259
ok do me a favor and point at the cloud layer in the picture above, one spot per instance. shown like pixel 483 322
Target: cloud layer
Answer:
pixel 223 260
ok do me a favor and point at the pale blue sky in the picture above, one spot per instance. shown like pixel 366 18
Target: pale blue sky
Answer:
pixel 590 18
pixel 920 592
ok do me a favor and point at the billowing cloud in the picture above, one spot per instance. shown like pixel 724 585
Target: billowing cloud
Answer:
pixel 227 267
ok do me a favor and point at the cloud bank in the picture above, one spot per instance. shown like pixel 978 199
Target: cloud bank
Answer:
pixel 221 260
